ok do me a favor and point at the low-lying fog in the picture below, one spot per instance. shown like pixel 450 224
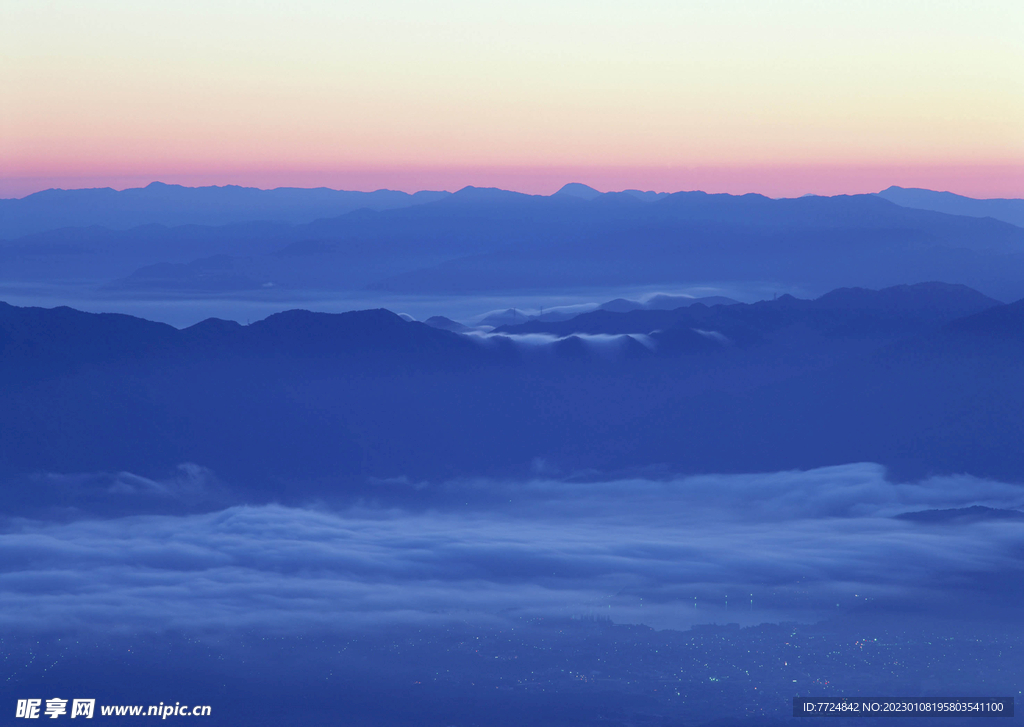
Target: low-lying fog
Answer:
pixel 788 546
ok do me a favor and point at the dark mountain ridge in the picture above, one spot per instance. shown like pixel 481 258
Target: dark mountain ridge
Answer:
pixel 304 404
pixel 899 309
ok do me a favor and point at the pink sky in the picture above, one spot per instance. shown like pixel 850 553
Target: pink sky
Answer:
pixel 784 98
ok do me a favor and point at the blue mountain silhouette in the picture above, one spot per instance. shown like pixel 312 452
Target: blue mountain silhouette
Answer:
pixel 308 404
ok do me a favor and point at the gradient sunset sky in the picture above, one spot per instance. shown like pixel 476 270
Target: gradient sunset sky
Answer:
pixel 782 97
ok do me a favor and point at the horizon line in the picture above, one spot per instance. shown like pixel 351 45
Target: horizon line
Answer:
pixel 978 181
pixel 229 185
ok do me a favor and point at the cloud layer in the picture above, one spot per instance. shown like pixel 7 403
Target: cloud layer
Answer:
pixel 782 546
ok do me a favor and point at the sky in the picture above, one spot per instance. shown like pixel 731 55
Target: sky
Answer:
pixel 783 98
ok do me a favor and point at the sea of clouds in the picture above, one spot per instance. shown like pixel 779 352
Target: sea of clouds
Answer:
pixel 664 552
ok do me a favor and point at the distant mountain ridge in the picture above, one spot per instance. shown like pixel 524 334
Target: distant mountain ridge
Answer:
pixel 885 313
pixel 660 301
pixel 1007 210
pixel 482 240
pixel 173 205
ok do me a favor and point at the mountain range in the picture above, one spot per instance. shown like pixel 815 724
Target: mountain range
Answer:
pixel 492 241
pixel 174 205
pixel 1007 210
pixel 925 379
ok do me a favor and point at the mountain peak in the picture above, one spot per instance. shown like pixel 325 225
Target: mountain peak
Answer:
pixel 576 189
pixel 485 194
